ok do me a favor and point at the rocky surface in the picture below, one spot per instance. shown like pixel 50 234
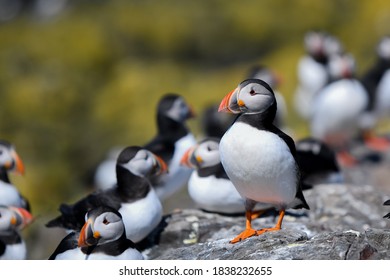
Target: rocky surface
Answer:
pixel 345 222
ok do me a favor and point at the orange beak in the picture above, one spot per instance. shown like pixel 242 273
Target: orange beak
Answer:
pixel 229 103
pixel 22 217
pixel 185 160
pixel 16 164
pixel 162 164
pixel 87 236
pixel 19 166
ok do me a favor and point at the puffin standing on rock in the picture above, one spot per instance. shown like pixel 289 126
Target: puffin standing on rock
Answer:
pixel 259 158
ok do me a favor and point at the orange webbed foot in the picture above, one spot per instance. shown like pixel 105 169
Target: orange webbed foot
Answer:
pixel 264 230
pixel 249 232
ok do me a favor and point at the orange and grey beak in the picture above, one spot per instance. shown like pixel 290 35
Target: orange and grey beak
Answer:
pixel 22 217
pixel 229 103
pixel 16 164
pixel 160 166
pixel 88 237
pixel 186 158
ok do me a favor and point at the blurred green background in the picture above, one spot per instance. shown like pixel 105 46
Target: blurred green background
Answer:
pixel 79 77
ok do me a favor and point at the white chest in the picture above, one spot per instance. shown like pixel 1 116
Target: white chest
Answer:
pixel 142 216
pixel 214 194
pixel 9 195
pixel 259 164
pixel 15 252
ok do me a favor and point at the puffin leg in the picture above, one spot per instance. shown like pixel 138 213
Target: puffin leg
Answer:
pixel 258 213
pixel 278 225
pixel 248 232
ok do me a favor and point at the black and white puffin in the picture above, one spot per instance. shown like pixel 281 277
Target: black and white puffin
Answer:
pixel 133 196
pixel 10 161
pixel 102 237
pixel 312 68
pixel 12 221
pixel 377 83
pixel 172 140
pixel 339 109
pixel 209 186
pixel 258 157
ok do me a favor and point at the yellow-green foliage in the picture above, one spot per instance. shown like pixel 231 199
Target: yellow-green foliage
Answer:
pixel 90 78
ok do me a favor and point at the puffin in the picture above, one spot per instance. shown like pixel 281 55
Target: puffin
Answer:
pixel 102 237
pixel 338 111
pixel 312 68
pixel 376 80
pixel 133 196
pixel 387 216
pixel 12 221
pixel 10 161
pixel 173 138
pixel 209 186
pixel 258 157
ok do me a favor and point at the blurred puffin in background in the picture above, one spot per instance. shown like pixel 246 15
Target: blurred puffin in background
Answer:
pixel 172 140
pixel 312 69
pixel 377 83
pixel 339 109
pixel 10 161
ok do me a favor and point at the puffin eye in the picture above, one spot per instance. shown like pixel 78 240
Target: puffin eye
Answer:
pixel 252 92
pixel 105 221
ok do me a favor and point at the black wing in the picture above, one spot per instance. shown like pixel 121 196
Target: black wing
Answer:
pixel 67 243
pixel 291 145
pixel 73 216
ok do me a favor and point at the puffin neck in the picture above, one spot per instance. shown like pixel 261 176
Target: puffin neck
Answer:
pixel 217 170
pixel 130 186
pixel 10 237
pixel 113 248
pixel 260 120
pixel 4 175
